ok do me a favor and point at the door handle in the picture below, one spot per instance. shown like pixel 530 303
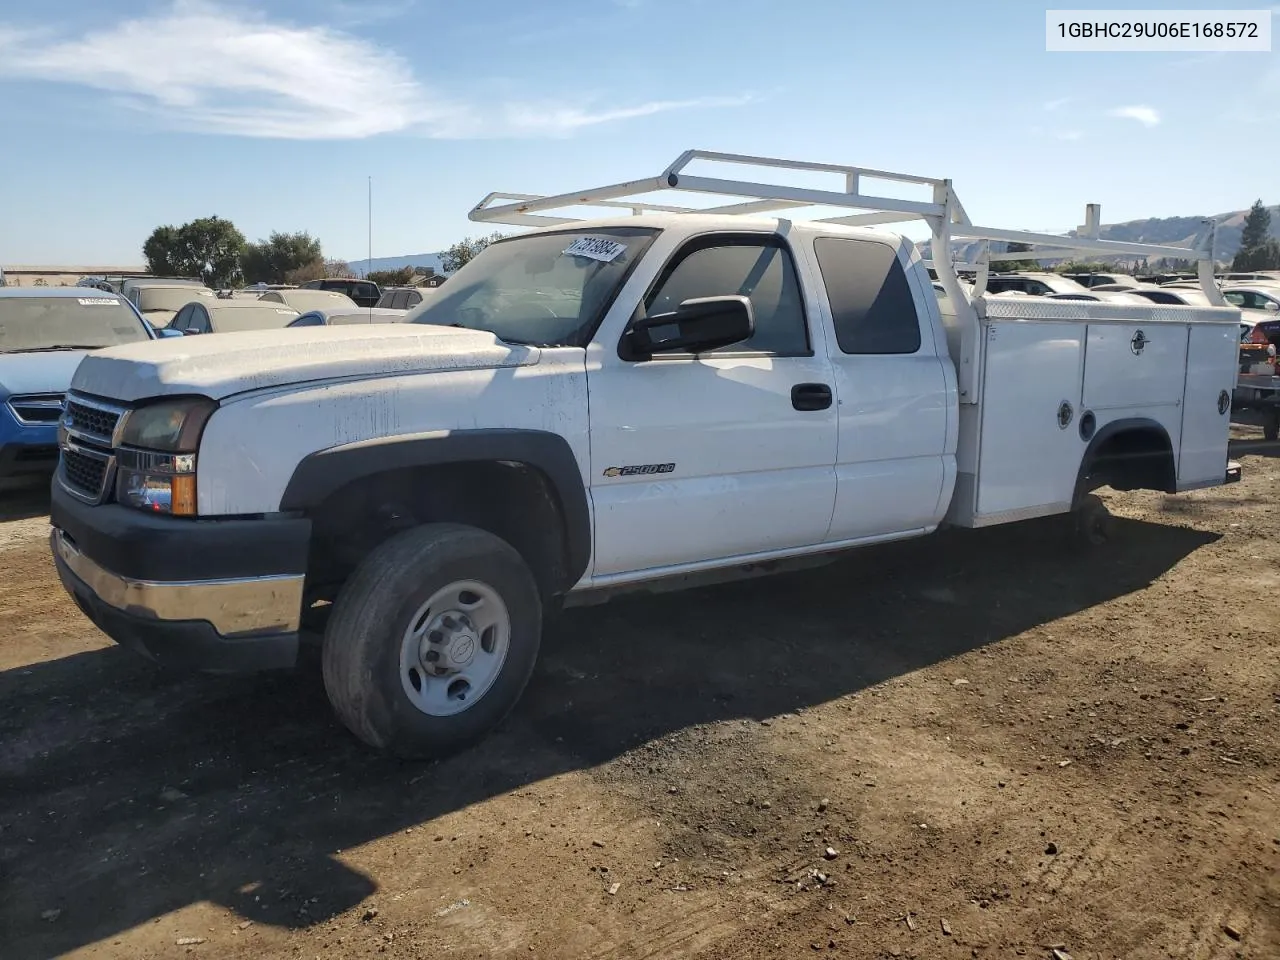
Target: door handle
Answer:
pixel 811 396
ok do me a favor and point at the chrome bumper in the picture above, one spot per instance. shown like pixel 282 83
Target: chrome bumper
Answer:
pixel 232 607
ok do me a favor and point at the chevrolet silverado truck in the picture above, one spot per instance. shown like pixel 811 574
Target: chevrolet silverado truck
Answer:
pixel 636 402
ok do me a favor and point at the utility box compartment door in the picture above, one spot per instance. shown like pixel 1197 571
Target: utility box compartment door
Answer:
pixel 1029 456
pixel 1130 365
pixel 1212 357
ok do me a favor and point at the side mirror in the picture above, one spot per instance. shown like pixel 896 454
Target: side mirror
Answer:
pixel 698 325
pixel 1271 307
pixel 165 333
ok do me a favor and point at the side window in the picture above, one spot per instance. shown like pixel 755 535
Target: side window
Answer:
pixel 412 298
pixel 179 322
pixel 308 320
pixel 871 303
pixel 763 272
pixel 200 319
pixel 1038 288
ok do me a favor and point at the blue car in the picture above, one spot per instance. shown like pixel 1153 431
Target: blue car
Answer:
pixel 44 334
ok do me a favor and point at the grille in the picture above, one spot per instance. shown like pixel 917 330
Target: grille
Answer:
pixel 85 473
pixel 37 407
pixel 92 421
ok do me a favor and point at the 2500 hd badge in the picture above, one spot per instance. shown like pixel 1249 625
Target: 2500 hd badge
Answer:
pixel 640 469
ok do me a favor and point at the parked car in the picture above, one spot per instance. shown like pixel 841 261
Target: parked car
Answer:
pixel 1034 284
pixel 346 316
pixel 1100 279
pixel 302 300
pixel 44 334
pixel 598 406
pixel 125 285
pixel 159 302
pixel 363 292
pixel 229 316
pixel 404 298
pixel 1260 301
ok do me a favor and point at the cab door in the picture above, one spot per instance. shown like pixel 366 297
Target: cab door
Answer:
pixel 898 413
pixel 698 459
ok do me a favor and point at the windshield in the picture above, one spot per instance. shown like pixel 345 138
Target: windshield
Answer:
pixel 252 318
pixel 172 299
pixel 548 289
pixel 88 322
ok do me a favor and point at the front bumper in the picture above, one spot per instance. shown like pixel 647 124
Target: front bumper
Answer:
pixel 218 596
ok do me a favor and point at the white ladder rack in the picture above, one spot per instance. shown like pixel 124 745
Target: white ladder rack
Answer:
pixel 943 212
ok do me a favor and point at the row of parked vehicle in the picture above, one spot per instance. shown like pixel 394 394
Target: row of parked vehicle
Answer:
pixel 46 331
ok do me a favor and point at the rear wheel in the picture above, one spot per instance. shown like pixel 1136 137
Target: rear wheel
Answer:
pixel 432 640
pixel 1091 525
pixel 1271 426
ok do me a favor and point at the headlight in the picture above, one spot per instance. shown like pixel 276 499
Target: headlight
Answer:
pixel 173 426
pixel 156 461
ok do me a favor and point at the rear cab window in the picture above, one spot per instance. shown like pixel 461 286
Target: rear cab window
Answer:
pixel 872 307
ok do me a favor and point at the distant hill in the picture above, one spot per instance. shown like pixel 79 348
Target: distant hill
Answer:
pixel 362 265
pixel 1174 231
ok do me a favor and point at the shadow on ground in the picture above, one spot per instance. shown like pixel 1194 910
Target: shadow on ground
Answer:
pixel 92 745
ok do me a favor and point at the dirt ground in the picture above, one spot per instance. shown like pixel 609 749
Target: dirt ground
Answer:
pixel 974 745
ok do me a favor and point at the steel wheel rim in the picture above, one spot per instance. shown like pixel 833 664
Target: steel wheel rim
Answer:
pixel 453 648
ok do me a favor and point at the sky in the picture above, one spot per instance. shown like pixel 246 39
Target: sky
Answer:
pixel 121 116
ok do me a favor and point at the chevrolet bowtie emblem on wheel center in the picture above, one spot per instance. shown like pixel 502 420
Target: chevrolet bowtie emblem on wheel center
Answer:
pixel 1138 342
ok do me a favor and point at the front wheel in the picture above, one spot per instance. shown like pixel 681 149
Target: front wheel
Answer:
pixel 432 640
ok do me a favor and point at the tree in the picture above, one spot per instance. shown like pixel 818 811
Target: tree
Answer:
pixel 1265 256
pixel 209 248
pixel 392 278
pixel 160 251
pixel 1258 249
pixel 1257 226
pixel 466 250
pixel 317 269
pixel 271 260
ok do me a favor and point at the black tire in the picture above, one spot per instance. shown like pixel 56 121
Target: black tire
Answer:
pixel 1271 428
pixel 1091 524
pixel 361 657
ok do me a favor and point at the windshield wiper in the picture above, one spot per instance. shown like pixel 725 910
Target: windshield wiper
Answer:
pixel 60 346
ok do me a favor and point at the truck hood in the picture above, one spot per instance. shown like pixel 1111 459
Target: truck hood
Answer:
pixel 223 364
pixel 37 372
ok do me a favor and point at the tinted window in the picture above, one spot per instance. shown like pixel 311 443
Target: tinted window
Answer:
pixel 1156 296
pixel 870 297
pixel 762 272
pixel 308 320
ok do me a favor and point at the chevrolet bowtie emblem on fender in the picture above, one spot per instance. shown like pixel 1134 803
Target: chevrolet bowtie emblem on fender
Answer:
pixel 1138 342
pixel 640 469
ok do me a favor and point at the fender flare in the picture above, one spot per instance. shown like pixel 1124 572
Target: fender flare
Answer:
pixel 1105 433
pixel 324 472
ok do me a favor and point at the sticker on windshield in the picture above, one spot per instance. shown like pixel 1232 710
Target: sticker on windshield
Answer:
pixel 97 301
pixel 596 248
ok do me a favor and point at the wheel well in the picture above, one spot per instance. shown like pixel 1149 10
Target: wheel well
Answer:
pixel 511 500
pixel 1137 457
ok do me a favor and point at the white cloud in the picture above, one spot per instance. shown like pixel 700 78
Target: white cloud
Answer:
pixel 1052 105
pixel 205 68
pixel 557 119
pixel 1147 116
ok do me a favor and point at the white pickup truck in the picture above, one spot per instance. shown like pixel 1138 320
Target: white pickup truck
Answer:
pixel 599 405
